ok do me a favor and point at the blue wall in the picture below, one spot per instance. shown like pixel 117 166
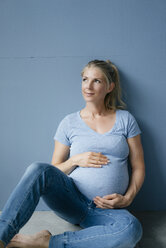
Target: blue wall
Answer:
pixel 43 48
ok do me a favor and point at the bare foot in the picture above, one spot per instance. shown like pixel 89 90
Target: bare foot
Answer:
pixel 38 240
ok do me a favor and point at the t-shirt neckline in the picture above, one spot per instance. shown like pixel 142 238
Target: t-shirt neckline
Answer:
pixel 100 134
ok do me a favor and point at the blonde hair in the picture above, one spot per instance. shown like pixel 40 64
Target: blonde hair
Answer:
pixel 112 99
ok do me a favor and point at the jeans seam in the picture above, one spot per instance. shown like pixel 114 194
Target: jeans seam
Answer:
pixel 88 208
pixel 10 232
pixel 81 198
pixel 111 234
pixel 108 215
pixel 43 171
pixel 84 216
pixel 9 223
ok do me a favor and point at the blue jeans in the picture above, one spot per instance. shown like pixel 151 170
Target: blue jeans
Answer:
pixel 102 228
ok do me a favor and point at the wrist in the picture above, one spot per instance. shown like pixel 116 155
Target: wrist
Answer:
pixel 129 198
pixel 72 161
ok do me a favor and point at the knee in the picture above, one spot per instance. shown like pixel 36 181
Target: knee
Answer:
pixel 135 231
pixel 37 167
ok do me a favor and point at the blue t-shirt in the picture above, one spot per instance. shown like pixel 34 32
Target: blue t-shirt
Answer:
pixel 113 177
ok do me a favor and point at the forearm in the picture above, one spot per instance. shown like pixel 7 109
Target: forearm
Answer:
pixel 122 201
pixel 137 179
pixel 67 166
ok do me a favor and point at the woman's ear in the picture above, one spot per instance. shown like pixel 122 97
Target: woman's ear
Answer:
pixel 111 87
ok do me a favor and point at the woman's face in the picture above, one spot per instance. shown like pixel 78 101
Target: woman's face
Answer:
pixel 94 85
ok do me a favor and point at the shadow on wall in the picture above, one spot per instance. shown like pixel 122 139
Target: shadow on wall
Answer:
pixel 150 195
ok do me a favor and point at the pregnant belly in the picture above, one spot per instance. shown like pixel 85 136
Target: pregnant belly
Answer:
pixel 102 181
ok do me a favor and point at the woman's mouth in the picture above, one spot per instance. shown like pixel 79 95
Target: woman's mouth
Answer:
pixel 89 94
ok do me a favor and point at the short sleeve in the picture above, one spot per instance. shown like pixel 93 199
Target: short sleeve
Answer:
pixel 61 134
pixel 132 126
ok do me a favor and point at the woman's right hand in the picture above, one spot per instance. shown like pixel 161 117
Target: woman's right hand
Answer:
pixel 90 159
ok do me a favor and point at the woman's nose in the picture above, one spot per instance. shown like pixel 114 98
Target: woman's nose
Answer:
pixel 89 84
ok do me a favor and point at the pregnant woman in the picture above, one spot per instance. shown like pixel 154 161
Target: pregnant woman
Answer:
pixel 87 182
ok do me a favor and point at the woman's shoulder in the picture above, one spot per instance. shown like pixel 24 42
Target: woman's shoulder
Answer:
pixel 70 117
pixel 124 113
pixel 128 123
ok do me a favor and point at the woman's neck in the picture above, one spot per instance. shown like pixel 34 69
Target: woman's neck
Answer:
pixel 95 112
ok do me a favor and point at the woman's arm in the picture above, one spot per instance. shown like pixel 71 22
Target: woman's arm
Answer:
pixel 136 157
pixel 59 158
pixel 86 159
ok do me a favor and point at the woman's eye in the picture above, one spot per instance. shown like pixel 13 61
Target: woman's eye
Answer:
pixel 96 80
pixel 84 79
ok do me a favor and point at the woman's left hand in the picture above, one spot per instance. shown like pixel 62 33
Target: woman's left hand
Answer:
pixel 111 201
